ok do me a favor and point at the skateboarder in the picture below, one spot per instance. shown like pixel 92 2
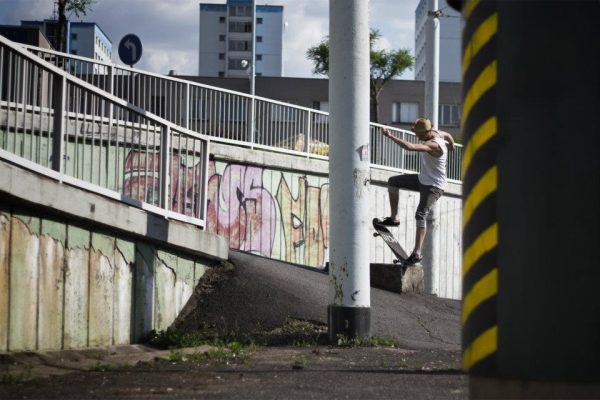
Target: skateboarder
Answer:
pixel 430 182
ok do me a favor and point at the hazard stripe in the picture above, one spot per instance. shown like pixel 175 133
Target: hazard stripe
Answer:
pixel 483 83
pixel 477 140
pixel 482 35
pixel 484 243
pixel 479 169
pixel 469 7
pixel 485 345
pixel 482 189
pixel 482 290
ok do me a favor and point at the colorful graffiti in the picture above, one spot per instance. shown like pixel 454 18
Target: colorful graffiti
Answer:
pixel 142 180
pixel 269 212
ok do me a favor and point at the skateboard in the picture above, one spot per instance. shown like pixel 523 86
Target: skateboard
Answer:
pixel 390 240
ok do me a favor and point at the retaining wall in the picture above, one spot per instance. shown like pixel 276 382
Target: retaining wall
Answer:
pixel 79 270
pixel 277 205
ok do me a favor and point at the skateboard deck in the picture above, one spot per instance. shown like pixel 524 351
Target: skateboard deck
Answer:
pixel 390 240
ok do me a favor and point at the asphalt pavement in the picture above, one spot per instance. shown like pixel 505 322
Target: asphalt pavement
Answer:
pixel 258 293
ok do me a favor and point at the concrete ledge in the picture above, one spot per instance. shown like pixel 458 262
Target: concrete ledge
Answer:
pixel 21 187
pixel 394 278
pixel 289 162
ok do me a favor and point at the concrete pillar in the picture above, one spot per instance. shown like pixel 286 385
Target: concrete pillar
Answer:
pixel 349 174
pixel 431 261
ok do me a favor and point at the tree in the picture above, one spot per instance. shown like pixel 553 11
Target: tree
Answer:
pixel 385 65
pixel 65 6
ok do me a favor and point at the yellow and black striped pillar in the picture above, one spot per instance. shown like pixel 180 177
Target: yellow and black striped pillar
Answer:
pixel 531 173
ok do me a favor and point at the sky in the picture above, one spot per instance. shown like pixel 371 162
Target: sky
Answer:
pixel 169 29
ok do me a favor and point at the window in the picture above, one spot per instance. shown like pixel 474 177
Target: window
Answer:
pixel 259 20
pixel 73 51
pixel 221 56
pixel 73 36
pixel 259 57
pixel 240 11
pixel 259 39
pixel 221 20
pixel 221 74
pixel 236 26
pixel 405 112
pixel 221 38
pixel 240 45
pixel 449 115
pixel 321 105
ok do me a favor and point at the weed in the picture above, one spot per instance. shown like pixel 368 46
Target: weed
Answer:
pixel 176 356
pixel 300 359
pixel 174 339
pixel 372 341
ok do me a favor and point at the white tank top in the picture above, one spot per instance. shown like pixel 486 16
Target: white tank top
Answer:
pixel 433 170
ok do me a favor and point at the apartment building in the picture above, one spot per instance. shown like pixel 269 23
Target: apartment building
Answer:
pixel 226 34
pixel 85 39
pixel 450 42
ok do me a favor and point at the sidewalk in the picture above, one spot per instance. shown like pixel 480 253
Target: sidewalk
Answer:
pixel 269 373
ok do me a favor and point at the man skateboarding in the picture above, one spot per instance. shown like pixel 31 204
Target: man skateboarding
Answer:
pixel 430 182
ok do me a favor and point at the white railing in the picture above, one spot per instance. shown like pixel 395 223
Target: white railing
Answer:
pixel 224 114
pixel 76 132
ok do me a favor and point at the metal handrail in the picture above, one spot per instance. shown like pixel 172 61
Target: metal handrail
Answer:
pixel 52 121
pixel 222 114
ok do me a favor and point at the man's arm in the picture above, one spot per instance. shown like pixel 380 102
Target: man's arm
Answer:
pixel 448 139
pixel 427 147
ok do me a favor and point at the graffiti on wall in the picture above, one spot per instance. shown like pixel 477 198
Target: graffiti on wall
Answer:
pixel 268 212
pixel 142 180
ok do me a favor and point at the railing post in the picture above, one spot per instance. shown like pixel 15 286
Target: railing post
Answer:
pixel 58 105
pixel 186 107
pixel 308 133
pixel 252 121
pixel 111 80
pixel 165 167
pixel 402 153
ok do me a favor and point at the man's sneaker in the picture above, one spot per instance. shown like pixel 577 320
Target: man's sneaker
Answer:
pixel 388 221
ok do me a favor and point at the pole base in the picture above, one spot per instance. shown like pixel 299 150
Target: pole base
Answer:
pixel 349 322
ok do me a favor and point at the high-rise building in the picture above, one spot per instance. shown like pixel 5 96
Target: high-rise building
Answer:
pixel 226 33
pixel 450 42
pixel 83 38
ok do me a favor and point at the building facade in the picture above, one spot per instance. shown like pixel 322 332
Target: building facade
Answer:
pixel 85 39
pixel 226 34
pixel 450 42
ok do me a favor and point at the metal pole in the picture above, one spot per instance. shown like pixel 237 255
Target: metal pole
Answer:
pixel 252 75
pixel 349 307
pixel 431 261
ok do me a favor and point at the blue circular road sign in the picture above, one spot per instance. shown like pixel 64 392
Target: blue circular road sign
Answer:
pixel 130 49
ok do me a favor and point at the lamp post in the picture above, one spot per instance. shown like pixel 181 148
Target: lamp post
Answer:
pixel 253 74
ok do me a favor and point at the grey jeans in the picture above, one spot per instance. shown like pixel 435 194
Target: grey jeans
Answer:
pixel 428 194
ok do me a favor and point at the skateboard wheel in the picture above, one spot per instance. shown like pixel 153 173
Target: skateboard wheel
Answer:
pixel 375 234
pixel 396 261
